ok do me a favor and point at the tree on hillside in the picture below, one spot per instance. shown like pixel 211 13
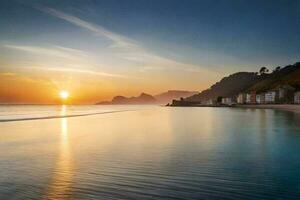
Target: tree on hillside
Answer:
pixel 277 69
pixel 263 70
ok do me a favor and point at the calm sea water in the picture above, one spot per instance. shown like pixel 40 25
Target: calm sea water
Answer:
pixel 148 153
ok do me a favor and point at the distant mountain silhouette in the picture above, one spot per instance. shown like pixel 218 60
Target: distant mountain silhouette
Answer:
pixel 250 81
pixel 168 96
pixel 142 99
pixel 229 86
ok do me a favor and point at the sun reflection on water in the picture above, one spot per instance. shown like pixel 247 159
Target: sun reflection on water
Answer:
pixel 61 183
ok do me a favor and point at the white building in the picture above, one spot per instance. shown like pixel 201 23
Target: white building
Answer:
pixel 248 98
pixel 227 101
pixel 241 99
pixel 209 102
pixel 270 97
pixel 260 98
pixel 297 97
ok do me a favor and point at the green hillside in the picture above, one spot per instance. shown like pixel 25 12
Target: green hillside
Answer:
pixel 228 86
pixel 249 81
pixel 289 75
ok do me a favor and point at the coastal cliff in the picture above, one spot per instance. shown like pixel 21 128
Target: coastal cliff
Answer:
pixel 241 82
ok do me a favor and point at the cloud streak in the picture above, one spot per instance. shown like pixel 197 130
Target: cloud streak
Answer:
pixel 66 53
pixel 129 49
pixel 119 40
pixel 81 71
pixel 57 51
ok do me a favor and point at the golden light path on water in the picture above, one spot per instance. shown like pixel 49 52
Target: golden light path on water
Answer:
pixel 152 153
pixel 61 183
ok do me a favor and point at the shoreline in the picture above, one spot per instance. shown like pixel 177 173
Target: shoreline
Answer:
pixel 283 107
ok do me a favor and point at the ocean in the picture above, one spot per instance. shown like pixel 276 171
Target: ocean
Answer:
pixel 148 152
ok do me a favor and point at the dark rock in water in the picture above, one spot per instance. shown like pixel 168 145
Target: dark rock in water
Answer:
pixel 183 102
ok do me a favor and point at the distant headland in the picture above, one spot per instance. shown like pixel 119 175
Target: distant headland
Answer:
pixel 144 98
pixel 279 86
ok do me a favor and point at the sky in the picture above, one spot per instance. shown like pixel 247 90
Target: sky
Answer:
pixel 96 49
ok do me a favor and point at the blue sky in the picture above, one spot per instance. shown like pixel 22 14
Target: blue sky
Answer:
pixel 191 43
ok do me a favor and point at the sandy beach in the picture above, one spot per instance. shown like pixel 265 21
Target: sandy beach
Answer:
pixel 286 107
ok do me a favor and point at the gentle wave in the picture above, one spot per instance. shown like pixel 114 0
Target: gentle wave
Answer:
pixel 61 116
pixel 164 153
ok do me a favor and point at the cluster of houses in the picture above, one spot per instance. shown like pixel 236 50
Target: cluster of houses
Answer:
pixel 280 95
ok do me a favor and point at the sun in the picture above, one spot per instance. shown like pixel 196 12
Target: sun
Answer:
pixel 64 94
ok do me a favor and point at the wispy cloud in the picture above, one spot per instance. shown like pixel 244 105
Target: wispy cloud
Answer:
pixel 81 71
pixel 119 40
pixel 129 49
pixel 80 57
pixel 57 51
pixel 7 74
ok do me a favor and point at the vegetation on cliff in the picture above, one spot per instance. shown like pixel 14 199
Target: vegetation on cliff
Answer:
pixel 261 81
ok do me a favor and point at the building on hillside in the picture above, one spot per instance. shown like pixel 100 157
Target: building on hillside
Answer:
pixel 270 97
pixel 212 102
pixel 297 97
pixel 227 101
pixel 241 99
pixel 251 97
pixel 209 102
pixel 248 98
pixel 260 98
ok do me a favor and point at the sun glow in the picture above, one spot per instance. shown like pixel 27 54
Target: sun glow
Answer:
pixel 64 94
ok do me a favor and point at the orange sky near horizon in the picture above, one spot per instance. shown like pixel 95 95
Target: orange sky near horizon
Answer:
pixel 99 50
pixel 18 88
pixel 92 62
